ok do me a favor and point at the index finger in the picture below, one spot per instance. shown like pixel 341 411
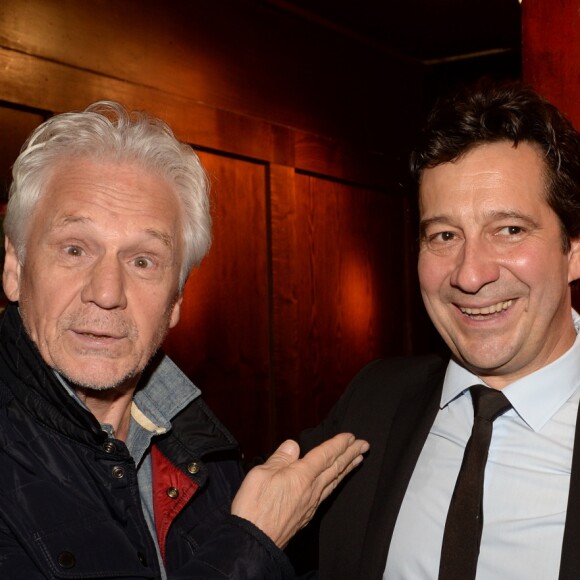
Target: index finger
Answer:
pixel 338 452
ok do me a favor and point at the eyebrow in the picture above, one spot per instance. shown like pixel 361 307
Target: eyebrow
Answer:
pixel 164 238
pixel 425 223
pixel 72 219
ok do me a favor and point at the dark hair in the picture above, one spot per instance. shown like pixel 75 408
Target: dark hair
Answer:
pixel 510 111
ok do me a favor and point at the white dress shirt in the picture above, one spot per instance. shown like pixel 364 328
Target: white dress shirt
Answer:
pixel 527 477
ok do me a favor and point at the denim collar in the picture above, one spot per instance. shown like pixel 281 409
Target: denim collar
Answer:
pixel 163 392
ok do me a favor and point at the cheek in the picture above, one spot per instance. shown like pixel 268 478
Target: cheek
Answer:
pixel 40 317
pixel 538 269
pixel 431 275
pixel 154 319
pixel 526 258
pixel 43 303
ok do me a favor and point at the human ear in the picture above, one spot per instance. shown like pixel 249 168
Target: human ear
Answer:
pixel 12 272
pixel 175 312
pixel 574 260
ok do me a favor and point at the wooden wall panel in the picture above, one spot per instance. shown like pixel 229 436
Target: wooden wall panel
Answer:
pixel 551 52
pixel 551 59
pixel 237 55
pixel 222 339
pixel 338 269
pixel 15 126
pixel 56 87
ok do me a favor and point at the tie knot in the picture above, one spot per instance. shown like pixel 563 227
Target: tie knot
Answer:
pixel 488 403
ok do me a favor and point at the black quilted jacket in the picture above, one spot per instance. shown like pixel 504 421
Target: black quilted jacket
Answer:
pixel 69 501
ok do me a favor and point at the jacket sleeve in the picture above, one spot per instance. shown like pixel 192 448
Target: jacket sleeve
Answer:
pixel 348 414
pixel 238 550
pixel 303 549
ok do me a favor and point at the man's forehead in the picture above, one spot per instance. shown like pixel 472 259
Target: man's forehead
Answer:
pixel 491 170
pixel 120 181
pixel 110 197
pixel 71 221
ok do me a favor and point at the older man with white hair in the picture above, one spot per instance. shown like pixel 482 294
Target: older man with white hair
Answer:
pixel 111 465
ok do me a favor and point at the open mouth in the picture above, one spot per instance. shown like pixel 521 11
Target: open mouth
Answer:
pixel 99 337
pixel 486 311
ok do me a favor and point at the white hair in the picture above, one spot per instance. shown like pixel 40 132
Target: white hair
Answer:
pixel 107 131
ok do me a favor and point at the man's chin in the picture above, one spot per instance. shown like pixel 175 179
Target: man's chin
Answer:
pixel 100 383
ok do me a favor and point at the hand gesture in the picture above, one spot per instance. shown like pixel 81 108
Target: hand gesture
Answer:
pixel 281 496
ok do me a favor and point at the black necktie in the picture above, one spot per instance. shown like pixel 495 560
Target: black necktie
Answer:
pixel 464 523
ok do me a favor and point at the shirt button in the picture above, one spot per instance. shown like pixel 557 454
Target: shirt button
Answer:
pixel 66 560
pixel 172 492
pixel 193 468
pixel 118 472
pixel 142 558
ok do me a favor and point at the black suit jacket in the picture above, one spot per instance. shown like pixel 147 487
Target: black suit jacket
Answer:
pixel 392 404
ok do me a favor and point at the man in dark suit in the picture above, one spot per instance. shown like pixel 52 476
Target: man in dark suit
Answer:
pixel 498 175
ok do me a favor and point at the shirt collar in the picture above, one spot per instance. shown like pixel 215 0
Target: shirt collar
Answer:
pixel 535 397
pixel 157 401
pixel 166 392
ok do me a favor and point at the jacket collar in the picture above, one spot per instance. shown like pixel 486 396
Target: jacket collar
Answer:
pixel 37 388
pixel 33 383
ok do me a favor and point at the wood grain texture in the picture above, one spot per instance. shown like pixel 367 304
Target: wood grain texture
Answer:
pixel 236 55
pixel 54 87
pixel 15 126
pixel 222 339
pixel 551 52
pixel 338 269
pixel 551 63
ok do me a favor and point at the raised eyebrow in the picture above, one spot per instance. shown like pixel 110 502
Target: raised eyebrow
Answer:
pixel 165 238
pixel 73 219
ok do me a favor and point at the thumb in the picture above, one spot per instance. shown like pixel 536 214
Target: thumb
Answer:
pixel 287 453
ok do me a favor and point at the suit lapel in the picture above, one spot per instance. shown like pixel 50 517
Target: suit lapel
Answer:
pixel 411 424
pixel 412 420
pixel 570 562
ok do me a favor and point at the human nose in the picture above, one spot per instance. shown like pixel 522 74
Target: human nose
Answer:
pixel 105 286
pixel 476 267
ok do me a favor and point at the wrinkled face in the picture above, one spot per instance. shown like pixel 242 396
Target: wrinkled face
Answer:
pixel 493 275
pixel 98 289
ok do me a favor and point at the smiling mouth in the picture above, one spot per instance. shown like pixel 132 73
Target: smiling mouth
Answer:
pixel 487 310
